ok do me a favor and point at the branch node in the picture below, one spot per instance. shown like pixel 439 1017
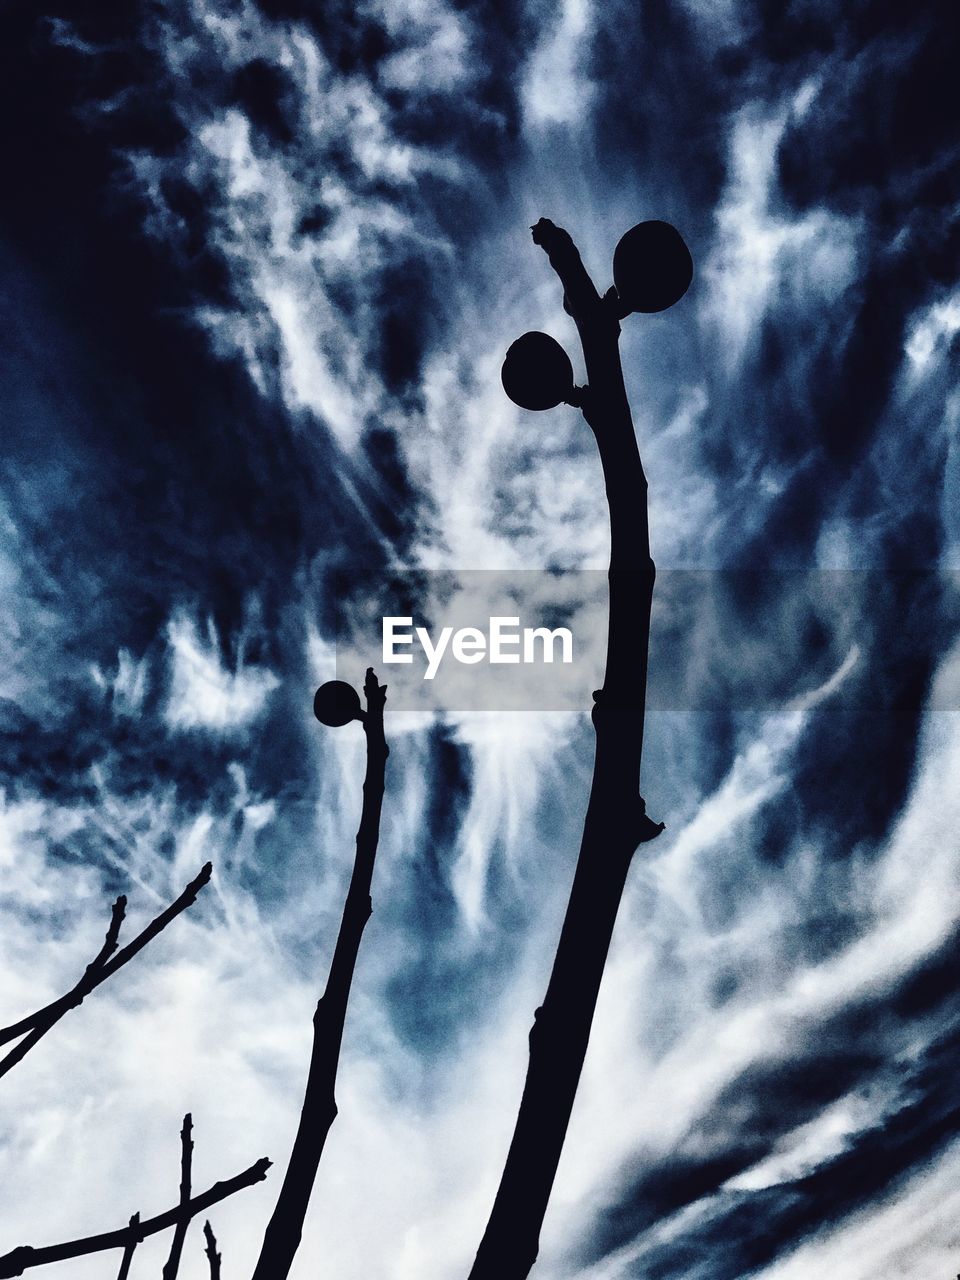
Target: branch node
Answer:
pixel 647 829
pixel 211 1251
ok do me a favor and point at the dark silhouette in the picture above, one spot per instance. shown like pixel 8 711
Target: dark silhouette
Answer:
pixel 652 268
pixel 653 271
pixel 36 1025
pixel 107 961
pixel 211 1251
pixel 537 373
pixel 129 1249
pixel 172 1264
pixel 25 1257
pixel 336 703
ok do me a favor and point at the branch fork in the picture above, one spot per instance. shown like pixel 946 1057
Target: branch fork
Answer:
pixel 107 962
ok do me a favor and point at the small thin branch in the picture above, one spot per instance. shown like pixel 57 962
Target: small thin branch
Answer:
pixel 211 1251
pixel 106 963
pixel 282 1236
pixel 96 964
pixel 113 933
pixel 156 926
pixel 172 1265
pixel 25 1257
pixel 128 1251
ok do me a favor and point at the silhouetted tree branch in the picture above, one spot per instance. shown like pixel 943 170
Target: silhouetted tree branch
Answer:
pixel 108 960
pixel 128 1250
pixel 283 1233
pixel 172 1265
pixel 616 820
pixel 93 968
pixel 25 1257
pixel 211 1251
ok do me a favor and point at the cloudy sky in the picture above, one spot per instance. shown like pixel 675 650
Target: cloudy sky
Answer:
pixel 261 260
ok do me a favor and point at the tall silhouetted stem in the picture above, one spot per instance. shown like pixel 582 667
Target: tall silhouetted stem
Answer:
pixel 616 821
pixel 285 1228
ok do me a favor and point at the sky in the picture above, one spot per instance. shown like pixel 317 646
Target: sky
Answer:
pixel 261 261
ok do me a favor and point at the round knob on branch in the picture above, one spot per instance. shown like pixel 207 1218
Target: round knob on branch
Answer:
pixel 537 373
pixel 337 703
pixel 652 267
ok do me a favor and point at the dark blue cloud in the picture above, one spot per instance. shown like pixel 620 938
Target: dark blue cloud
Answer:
pixel 864 1047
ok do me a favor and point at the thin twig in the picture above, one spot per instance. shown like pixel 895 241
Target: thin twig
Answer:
pixel 25 1257
pixel 128 1251
pixel 282 1236
pixel 106 963
pixel 172 1265
pixel 211 1251
pixel 103 955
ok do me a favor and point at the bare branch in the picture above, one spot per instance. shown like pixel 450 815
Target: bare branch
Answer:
pixel 128 1251
pixel 211 1251
pixel 282 1237
pixel 580 295
pixel 172 1265
pixel 96 964
pixel 25 1257
pixel 105 964
pixel 616 820
pixel 113 933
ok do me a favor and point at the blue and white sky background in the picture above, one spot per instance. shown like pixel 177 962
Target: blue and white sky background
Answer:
pixel 261 260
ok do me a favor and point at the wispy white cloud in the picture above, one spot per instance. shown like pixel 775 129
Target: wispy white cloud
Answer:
pixel 203 693
pixel 762 251
pixel 931 333
pixel 127 686
pixel 435 46
pixel 663 1049
pixel 557 88
pixel 909 1233
pixel 290 223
